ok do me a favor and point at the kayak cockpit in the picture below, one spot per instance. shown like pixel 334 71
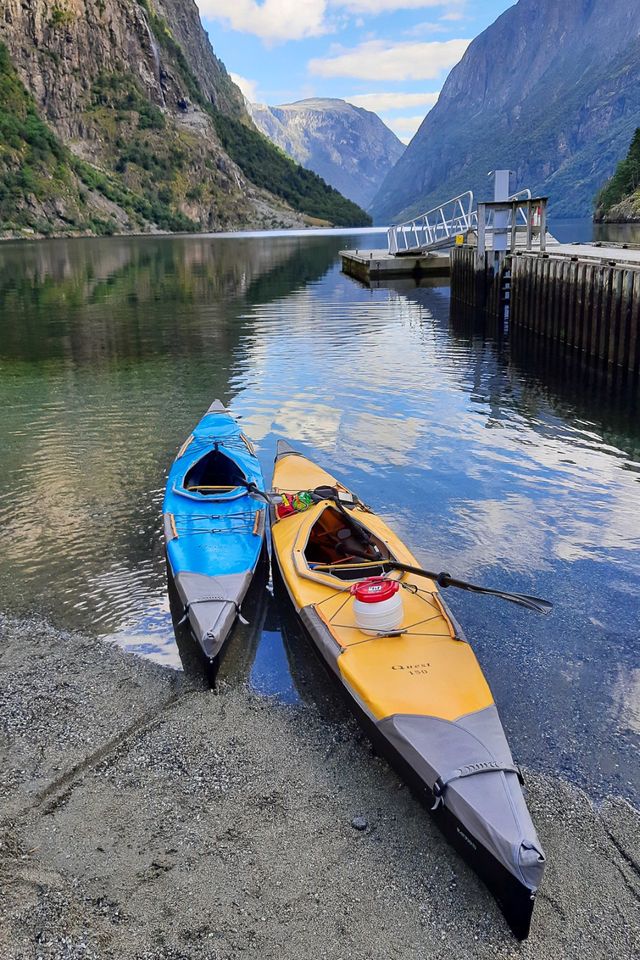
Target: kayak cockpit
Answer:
pixel 215 473
pixel 338 540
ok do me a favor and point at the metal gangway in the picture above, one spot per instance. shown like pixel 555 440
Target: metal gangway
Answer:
pixel 434 229
pixel 457 220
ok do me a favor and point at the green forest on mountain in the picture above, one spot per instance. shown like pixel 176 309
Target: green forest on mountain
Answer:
pixel 624 183
pixel 259 159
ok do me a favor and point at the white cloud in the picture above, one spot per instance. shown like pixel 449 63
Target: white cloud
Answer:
pixel 280 20
pixel 379 60
pixel 404 127
pixel 388 6
pixel 380 102
pixel 424 29
pixel 271 20
pixel 248 87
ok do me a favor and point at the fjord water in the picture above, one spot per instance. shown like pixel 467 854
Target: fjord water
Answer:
pixel 488 465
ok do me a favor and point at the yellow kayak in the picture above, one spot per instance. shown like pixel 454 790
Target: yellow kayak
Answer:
pixel 411 675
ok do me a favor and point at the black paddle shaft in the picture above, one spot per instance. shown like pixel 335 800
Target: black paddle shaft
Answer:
pixel 445 580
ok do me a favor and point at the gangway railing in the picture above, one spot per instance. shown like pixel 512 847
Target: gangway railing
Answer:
pixel 441 226
pixel 435 228
pixel 517 206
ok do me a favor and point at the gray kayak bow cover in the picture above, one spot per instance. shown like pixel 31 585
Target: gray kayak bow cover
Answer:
pixel 490 804
pixel 217 407
pixel 212 604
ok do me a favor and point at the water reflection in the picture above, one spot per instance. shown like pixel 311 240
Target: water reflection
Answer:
pixel 482 458
pixel 309 675
pixel 584 231
pixel 125 298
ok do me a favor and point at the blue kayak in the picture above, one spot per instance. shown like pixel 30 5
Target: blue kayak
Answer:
pixel 214 525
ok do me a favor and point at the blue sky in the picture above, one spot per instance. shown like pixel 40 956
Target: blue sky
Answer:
pixel 390 56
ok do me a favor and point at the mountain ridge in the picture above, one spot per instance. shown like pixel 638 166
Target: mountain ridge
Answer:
pixel 348 146
pixel 559 109
pixel 139 127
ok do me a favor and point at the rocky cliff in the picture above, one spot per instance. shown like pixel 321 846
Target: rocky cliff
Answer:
pixel 115 115
pixel 347 146
pixel 550 90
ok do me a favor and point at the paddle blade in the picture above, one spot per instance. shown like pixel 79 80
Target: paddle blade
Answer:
pixel 531 603
pixel 522 599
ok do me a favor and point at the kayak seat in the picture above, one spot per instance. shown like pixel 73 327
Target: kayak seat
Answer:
pixel 213 474
pixel 334 540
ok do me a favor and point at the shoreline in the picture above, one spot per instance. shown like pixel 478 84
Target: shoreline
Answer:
pixel 296 231
pixel 145 817
pixel 629 221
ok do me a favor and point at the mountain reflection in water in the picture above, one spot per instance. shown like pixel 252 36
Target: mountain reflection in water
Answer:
pixel 489 461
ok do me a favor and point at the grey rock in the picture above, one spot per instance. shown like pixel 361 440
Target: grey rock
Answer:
pixel 62 67
pixel 347 146
pixel 359 823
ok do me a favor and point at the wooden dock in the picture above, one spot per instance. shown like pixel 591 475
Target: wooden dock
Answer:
pixel 587 301
pixel 378 265
pixel 505 268
pixel 581 298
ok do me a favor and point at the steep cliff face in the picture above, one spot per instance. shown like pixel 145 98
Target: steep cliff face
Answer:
pixel 138 104
pixel 211 74
pixel 60 48
pixel 347 146
pixel 551 90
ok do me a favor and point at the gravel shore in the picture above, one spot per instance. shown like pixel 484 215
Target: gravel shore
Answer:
pixel 143 817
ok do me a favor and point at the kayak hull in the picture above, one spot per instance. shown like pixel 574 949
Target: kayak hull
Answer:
pixel 480 808
pixel 210 619
pixel 214 532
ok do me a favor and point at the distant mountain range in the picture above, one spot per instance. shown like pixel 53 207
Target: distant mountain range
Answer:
pixel 347 146
pixel 551 90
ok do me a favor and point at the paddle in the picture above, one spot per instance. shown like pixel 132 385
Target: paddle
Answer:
pixel 318 495
pixel 254 491
pixel 445 580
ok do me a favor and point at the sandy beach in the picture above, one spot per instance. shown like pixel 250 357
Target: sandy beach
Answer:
pixel 143 816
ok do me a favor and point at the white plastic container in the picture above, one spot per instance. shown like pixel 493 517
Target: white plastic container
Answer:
pixel 377 605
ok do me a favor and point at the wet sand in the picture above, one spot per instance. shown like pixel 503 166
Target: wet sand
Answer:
pixel 144 817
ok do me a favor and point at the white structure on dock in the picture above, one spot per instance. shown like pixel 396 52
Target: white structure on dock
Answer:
pixel 509 221
pixel 419 247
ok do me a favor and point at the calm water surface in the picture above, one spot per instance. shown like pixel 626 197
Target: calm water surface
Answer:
pixel 488 464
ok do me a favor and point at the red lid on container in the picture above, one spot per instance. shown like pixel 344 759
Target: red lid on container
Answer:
pixel 375 589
